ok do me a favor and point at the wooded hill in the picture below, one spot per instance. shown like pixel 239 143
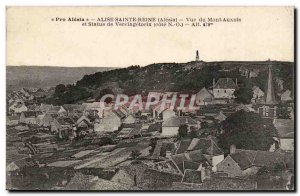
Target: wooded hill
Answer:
pixel 180 77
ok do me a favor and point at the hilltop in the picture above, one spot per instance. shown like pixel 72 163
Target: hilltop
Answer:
pixel 181 77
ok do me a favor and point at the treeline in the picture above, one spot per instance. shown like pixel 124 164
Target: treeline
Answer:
pixel 166 77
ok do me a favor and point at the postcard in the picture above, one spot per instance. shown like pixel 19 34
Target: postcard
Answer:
pixel 173 98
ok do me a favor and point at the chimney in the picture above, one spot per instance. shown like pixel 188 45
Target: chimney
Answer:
pixel 232 148
pixel 214 82
pixel 236 81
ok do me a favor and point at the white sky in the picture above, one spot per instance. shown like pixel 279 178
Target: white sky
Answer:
pixel 32 39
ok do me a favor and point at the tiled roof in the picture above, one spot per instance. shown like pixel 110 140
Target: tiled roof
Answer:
pixel 207 145
pixel 248 158
pixel 65 121
pixel 156 127
pixel 176 121
pixel 190 165
pixel 191 176
pixel 31 114
pixel 243 159
pixel 13 117
pixel 183 146
pixel 285 127
pixel 204 92
pixel 71 107
pixel 194 156
pixel 166 166
pixel 225 83
pixel 21 163
pixel 120 114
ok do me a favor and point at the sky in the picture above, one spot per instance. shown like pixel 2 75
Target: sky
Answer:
pixel 33 39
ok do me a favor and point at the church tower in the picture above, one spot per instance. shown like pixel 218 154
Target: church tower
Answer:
pixel 270 94
pixel 268 109
pixel 197 55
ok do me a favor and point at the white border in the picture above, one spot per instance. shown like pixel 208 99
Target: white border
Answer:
pixel 4 3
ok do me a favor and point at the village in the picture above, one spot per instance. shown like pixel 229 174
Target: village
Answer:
pixel 94 146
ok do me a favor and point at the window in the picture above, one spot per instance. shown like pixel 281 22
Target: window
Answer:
pixel 267 113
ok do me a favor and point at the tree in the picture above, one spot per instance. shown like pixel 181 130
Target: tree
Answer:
pixel 182 132
pixel 263 171
pixel 243 95
pixel 278 167
pixel 193 133
pixel 59 89
pixel 247 130
pixel 105 91
pixel 204 125
pixel 152 144
pixel 283 112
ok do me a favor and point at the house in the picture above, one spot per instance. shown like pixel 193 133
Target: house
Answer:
pixel 17 108
pixel 71 108
pixel 215 184
pixel 204 97
pixel 44 107
pixel 140 175
pixel 97 108
pixel 55 126
pixel 158 180
pixel 163 148
pixel 25 92
pixel 171 126
pixel 153 129
pixel 83 122
pixel 39 93
pixel 248 73
pixel 130 131
pixel 241 163
pixel 285 128
pixel 191 176
pixel 83 182
pixel 166 166
pixel 286 96
pixel 246 108
pixel 220 117
pixel 12 120
pixel 224 88
pixel 168 113
pixel 64 126
pixel 19 165
pixel 189 160
pixel 44 120
pixel 258 95
pixel 110 123
pixel 130 119
pixel 56 110
pixel 29 117
pixel 131 175
pixel 210 151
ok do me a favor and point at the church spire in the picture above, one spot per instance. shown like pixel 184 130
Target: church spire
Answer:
pixel 270 94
